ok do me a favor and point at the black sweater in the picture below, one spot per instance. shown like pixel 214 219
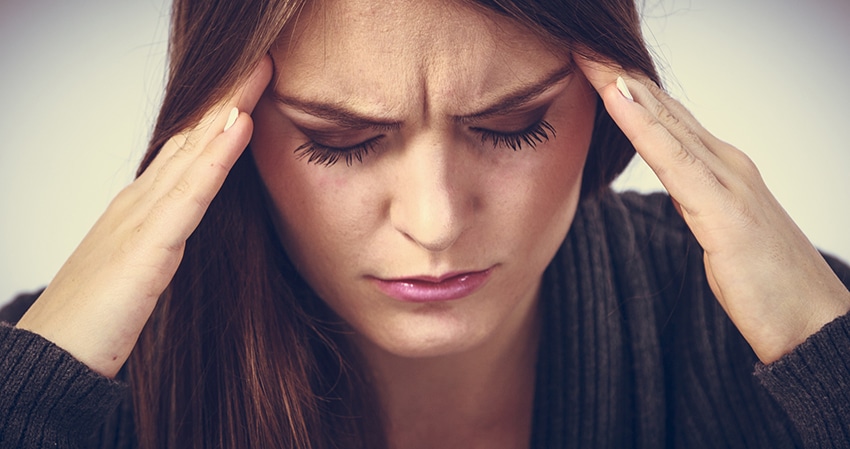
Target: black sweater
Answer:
pixel 635 352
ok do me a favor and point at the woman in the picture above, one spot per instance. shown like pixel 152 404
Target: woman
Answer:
pixel 389 265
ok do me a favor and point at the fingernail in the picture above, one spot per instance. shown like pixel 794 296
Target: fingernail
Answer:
pixel 621 85
pixel 231 119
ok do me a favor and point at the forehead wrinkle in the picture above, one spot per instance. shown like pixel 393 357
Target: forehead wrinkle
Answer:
pixel 427 70
pixel 444 63
pixel 429 59
pixel 519 96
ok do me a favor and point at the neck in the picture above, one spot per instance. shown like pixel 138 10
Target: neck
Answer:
pixel 482 397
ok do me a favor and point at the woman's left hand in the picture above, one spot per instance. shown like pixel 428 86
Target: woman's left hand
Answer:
pixel 769 278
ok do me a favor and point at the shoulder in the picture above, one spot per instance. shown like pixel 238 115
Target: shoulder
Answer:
pixel 15 309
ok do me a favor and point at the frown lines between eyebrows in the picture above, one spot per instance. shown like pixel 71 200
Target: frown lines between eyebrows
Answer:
pixel 336 113
pixel 518 98
pixel 348 118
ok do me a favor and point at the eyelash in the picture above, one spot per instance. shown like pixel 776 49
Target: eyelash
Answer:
pixel 535 134
pixel 319 154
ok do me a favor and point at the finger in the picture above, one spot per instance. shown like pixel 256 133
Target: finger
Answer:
pixel 187 145
pixel 678 121
pixel 685 168
pixel 179 203
pixel 601 73
pixel 244 97
pixel 725 161
pixel 667 136
pixel 670 111
pixel 249 93
pixel 180 210
pixel 191 194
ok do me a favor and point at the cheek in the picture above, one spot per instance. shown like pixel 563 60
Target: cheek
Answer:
pixel 339 214
pixel 569 152
pixel 542 196
pixel 550 177
pixel 319 212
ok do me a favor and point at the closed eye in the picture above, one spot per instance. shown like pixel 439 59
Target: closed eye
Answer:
pixel 321 154
pixel 317 153
pixel 539 132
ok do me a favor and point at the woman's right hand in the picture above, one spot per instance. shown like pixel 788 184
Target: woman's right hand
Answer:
pixel 98 303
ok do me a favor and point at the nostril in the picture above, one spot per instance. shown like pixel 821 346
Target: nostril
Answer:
pixel 435 243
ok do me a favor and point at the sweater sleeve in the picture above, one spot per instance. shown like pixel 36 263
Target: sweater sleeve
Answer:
pixel 47 397
pixel 710 363
pixel 812 384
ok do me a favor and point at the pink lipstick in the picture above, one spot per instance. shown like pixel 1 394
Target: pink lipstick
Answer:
pixel 430 289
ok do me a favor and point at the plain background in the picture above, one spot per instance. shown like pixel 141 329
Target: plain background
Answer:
pixel 81 83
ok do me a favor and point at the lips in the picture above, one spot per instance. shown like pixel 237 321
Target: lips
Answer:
pixel 433 289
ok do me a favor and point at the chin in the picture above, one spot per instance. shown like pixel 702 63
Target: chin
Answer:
pixel 426 337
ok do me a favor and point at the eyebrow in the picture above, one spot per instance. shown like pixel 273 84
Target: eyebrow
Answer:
pixel 336 113
pixel 348 118
pixel 519 98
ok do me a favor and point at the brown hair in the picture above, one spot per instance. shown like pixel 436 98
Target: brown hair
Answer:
pixel 239 352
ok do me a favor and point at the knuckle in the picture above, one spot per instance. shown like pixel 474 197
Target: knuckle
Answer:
pixel 691 138
pixel 741 213
pixel 182 188
pixel 742 163
pixel 668 118
pixel 649 121
pixel 184 194
pixel 178 140
pixel 682 157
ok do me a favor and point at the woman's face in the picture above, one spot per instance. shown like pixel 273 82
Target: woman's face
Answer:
pixel 405 143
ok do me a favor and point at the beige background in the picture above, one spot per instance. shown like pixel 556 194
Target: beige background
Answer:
pixel 81 83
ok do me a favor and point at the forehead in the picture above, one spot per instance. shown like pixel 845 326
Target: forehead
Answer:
pixel 435 49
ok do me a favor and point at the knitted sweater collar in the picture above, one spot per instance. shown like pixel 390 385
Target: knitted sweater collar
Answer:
pixel 587 369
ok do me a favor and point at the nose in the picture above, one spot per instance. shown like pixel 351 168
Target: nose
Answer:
pixel 432 205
